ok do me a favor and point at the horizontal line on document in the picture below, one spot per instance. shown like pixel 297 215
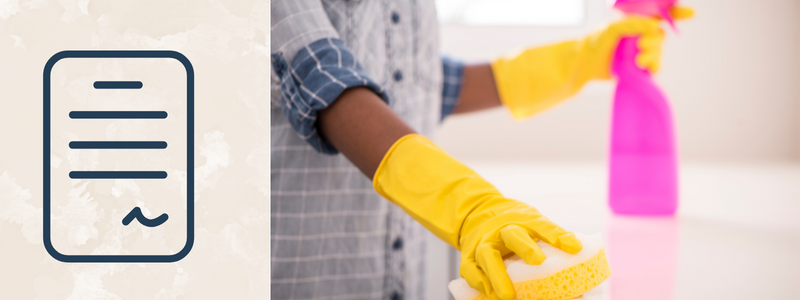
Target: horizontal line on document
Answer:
pixel 117 174
pixel 117 84
pixel 118 145
pixel 118 115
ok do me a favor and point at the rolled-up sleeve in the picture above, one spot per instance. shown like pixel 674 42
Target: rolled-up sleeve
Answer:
pixel 311 67
pixel 318 74
pixel 453 80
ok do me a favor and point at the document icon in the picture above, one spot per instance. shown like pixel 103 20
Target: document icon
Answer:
pixel 118 156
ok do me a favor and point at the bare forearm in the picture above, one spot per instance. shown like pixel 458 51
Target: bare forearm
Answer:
pixel 362 127
pixel 478 92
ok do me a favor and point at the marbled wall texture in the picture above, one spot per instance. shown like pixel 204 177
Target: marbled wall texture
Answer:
pixel 227 43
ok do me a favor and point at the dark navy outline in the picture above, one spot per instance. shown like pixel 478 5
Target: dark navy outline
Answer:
pixel 118 175
pixel 48 245
pixel 136 214
pixel 118 145
pixel 117 115
pixel 124 85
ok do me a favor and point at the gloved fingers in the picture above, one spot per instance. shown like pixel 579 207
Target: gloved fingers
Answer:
pixel 651 40
pixel 649 56
pixel 651 66
pixel 476 279
pixel 569 243
pixel 635 26
pixel 554 235
pixel 520 242
pixel 681 12
pixel 491 262
pixel 650 60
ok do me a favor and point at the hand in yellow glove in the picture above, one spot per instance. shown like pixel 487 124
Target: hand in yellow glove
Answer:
pixel 467 212
pixel 537 78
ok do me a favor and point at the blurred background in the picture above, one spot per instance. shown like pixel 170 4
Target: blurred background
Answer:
pixel 732 75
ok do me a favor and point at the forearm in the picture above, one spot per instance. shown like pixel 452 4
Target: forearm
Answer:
pixel 479 91
pixel 362 127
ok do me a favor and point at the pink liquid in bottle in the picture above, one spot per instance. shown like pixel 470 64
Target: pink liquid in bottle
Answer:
pixel 643 164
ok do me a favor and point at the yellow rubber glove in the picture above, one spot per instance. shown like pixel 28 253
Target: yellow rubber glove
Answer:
pixel 464 210
pixel 537 78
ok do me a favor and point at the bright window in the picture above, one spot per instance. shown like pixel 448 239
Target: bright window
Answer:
pixel 511 12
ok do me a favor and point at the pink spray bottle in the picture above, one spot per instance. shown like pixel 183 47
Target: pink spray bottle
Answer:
pixel 643 163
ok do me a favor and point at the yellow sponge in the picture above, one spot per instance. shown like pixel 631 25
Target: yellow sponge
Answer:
pixel 560 276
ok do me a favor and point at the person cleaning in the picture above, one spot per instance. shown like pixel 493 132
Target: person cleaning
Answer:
pixel 359 87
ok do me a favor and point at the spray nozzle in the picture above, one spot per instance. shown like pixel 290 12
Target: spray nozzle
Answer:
pixel 652 8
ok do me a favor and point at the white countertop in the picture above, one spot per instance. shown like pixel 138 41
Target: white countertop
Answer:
pixel 736 234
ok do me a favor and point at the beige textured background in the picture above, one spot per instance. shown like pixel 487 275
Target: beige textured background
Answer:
pixel 227 42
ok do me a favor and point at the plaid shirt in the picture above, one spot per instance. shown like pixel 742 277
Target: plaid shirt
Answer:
pixel 333 236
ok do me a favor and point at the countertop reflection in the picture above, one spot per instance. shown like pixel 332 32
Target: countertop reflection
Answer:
pixel 736 234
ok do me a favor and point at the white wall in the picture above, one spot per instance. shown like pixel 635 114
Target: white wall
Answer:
pixel 732 74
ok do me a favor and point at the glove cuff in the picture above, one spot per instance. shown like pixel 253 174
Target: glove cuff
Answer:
pixel 431 186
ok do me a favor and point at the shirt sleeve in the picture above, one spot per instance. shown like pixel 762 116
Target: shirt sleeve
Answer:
pixel 311 67
pixel 453 79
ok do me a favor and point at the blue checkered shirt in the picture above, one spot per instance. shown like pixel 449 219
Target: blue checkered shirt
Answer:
pixel 333 236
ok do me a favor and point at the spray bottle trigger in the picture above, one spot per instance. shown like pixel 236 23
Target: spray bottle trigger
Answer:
pixel 667 16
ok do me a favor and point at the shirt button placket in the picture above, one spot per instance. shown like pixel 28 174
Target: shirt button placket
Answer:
pixel 398 75
pixel 396 287
pixel 398 243
pixel 397 296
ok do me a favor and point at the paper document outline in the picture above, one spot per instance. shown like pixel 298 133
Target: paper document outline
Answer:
pixel 189 156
